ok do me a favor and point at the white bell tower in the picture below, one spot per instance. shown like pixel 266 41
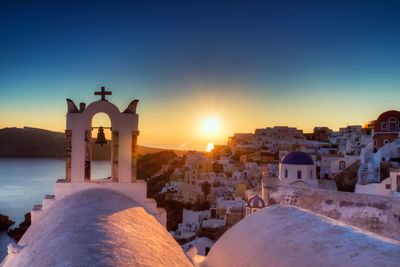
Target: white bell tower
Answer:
pixel 124 128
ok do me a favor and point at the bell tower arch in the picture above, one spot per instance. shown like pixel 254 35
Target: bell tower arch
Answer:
pixel 79 140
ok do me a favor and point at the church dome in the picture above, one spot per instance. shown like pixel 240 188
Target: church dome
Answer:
pixel 256 202
pixel 97 227
pixel 297 158
pixel 385 117
pixel 288 236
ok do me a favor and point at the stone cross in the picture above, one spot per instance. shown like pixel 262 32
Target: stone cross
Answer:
pixel 103 93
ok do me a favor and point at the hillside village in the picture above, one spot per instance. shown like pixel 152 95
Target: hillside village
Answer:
pixel 207 193
pixel 236 179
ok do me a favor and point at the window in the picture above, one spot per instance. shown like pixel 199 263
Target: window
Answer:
pixel 286 173
pixel 375 143
pixel 213 213
pixel 387 186
pixel 384 125
pixel 392 127
pixel 392 124
pixel 298 174
pixel 342 165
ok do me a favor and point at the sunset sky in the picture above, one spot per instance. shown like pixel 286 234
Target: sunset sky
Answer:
pixel 244 64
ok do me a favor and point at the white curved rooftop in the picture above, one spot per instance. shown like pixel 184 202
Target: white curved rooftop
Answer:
pixel 97 227
pixel 288 236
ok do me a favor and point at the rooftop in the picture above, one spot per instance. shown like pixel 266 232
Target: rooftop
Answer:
pixel 97 227
pixel 297 158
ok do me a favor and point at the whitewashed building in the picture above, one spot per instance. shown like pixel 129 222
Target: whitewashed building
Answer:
pixel 388 187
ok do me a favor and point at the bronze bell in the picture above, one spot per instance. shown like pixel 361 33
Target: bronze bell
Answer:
pixel 101 138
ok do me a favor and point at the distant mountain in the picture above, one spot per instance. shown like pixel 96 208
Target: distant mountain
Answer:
pixel 39 143
pixel 31 142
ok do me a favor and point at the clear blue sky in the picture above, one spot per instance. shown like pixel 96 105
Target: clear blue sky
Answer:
pixel 248 63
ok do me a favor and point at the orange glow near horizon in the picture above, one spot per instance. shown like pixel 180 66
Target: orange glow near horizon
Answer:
pixel 204 114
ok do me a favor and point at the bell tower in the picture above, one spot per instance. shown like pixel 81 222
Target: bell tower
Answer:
pixel 124 134
pixel 124 126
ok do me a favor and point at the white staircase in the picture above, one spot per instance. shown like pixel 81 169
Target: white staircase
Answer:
pixel 363 175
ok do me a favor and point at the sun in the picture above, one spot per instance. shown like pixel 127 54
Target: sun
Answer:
pixel 210 125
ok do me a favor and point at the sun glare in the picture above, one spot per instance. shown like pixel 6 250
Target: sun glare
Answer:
pixel 211 125
pixel 210 146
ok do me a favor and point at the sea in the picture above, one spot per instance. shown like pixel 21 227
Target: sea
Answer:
pixel 25 181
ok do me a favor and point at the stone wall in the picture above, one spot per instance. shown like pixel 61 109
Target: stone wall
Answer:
pixel 378 214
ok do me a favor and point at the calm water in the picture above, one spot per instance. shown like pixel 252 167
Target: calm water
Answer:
pixel 24 183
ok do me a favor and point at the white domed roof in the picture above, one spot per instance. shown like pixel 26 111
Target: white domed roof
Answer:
pixel 287 236
pixel 97 227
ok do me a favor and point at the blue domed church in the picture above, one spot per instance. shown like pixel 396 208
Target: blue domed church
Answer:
pixel 298 168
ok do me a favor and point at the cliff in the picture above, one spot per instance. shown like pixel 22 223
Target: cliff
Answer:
pixel 5 222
